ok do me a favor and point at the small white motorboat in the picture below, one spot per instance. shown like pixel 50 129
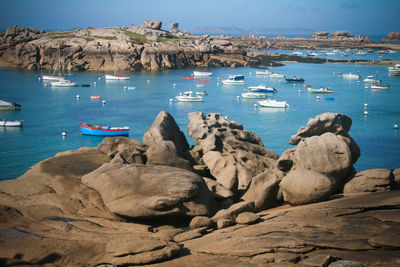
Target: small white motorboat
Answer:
pixel 117 77
pixel 52 78
pixel 320 90
pixel 370 79
pixel 266 72
pixel 269 103
pixel 234 79
pixel 261 89
pixel 253 95
pixel 350 76
pixel 396 67
pixel 202 73
pixel 4 105
pixel 379 87
pixel 188 96
pixel 201 93
pixel 6 123
pixel 277 75
pixel 63 83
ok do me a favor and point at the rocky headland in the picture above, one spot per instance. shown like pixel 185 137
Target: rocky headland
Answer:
pixel 226 201
pixel 148 47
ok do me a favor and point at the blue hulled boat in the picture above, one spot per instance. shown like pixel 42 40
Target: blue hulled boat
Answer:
pixel 89 129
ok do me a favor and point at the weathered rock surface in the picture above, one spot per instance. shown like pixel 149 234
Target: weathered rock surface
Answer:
pixel 247 218
pixel 375 180
pixel 327 232
pixel 144 191
pixel 304 186
pixel 123 150
pixel 164 128
pixel 233 155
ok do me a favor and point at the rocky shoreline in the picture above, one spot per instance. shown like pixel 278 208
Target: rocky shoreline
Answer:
pixel 148 47
pixel 228 200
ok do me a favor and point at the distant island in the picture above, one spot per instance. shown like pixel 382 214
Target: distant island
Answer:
pixel 148 47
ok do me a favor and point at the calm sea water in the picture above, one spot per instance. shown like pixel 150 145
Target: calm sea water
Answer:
pixel 47 112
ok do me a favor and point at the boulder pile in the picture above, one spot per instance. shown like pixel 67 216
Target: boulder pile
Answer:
pixel 129 202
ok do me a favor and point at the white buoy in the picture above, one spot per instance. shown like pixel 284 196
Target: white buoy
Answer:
pixel 366 87
pixel 78 96
pixel 365 105
pixel 255 105
pixel 148 81
pixel 45 84
pixel 103 102
pixel 125 87
pixel 395 126
pixel 217 84
pixel 250 73
pixel 238 97
pixel 171 100
pixel 219 78
pixel 64 133
pixel 299 91
pixel 38 78
pixel 99 78
pixel 317 97
pixel 174 84
pixel 365 112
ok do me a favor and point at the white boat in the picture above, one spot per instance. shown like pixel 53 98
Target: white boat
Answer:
pixel 396 67
pixel 261 89
pixel 4 105
pixel 188 97
pixel 330 53
pixel 363 53
pixel 6 123
pixel 370 79
pixel 234 79
pixel 350 76
pixel 202 73
pixel 201 93
pixel 52 78
pixel 266 72
pixel 269 103
pixel 297 53
pixel 379 87
pixel 253 95
pixel 117 77
pixel 63 83
pixel 320 90
pixel 276 75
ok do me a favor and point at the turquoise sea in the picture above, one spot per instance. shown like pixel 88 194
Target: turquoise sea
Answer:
pixel 47 112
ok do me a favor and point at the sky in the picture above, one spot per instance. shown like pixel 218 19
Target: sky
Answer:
pixel 356 16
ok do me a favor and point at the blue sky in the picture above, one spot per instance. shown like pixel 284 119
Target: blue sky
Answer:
pixel 357 16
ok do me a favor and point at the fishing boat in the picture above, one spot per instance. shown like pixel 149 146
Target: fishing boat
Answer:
pixel 4 105
pixel 234 79
pixel 350 76
pixel 89 129
pixel 188 96
pixel 6 123
pixel 382 52
pixel 370 79
pixel 320 90
pixel 379 87
pixel 202 73
pixel 277 76
pixel 117 77
pixel 253 95
pixel 269 103
pixel 63 83
pixel 294 79
pixel 261 89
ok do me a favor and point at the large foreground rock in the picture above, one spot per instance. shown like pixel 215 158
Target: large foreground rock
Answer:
pixel 142 191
